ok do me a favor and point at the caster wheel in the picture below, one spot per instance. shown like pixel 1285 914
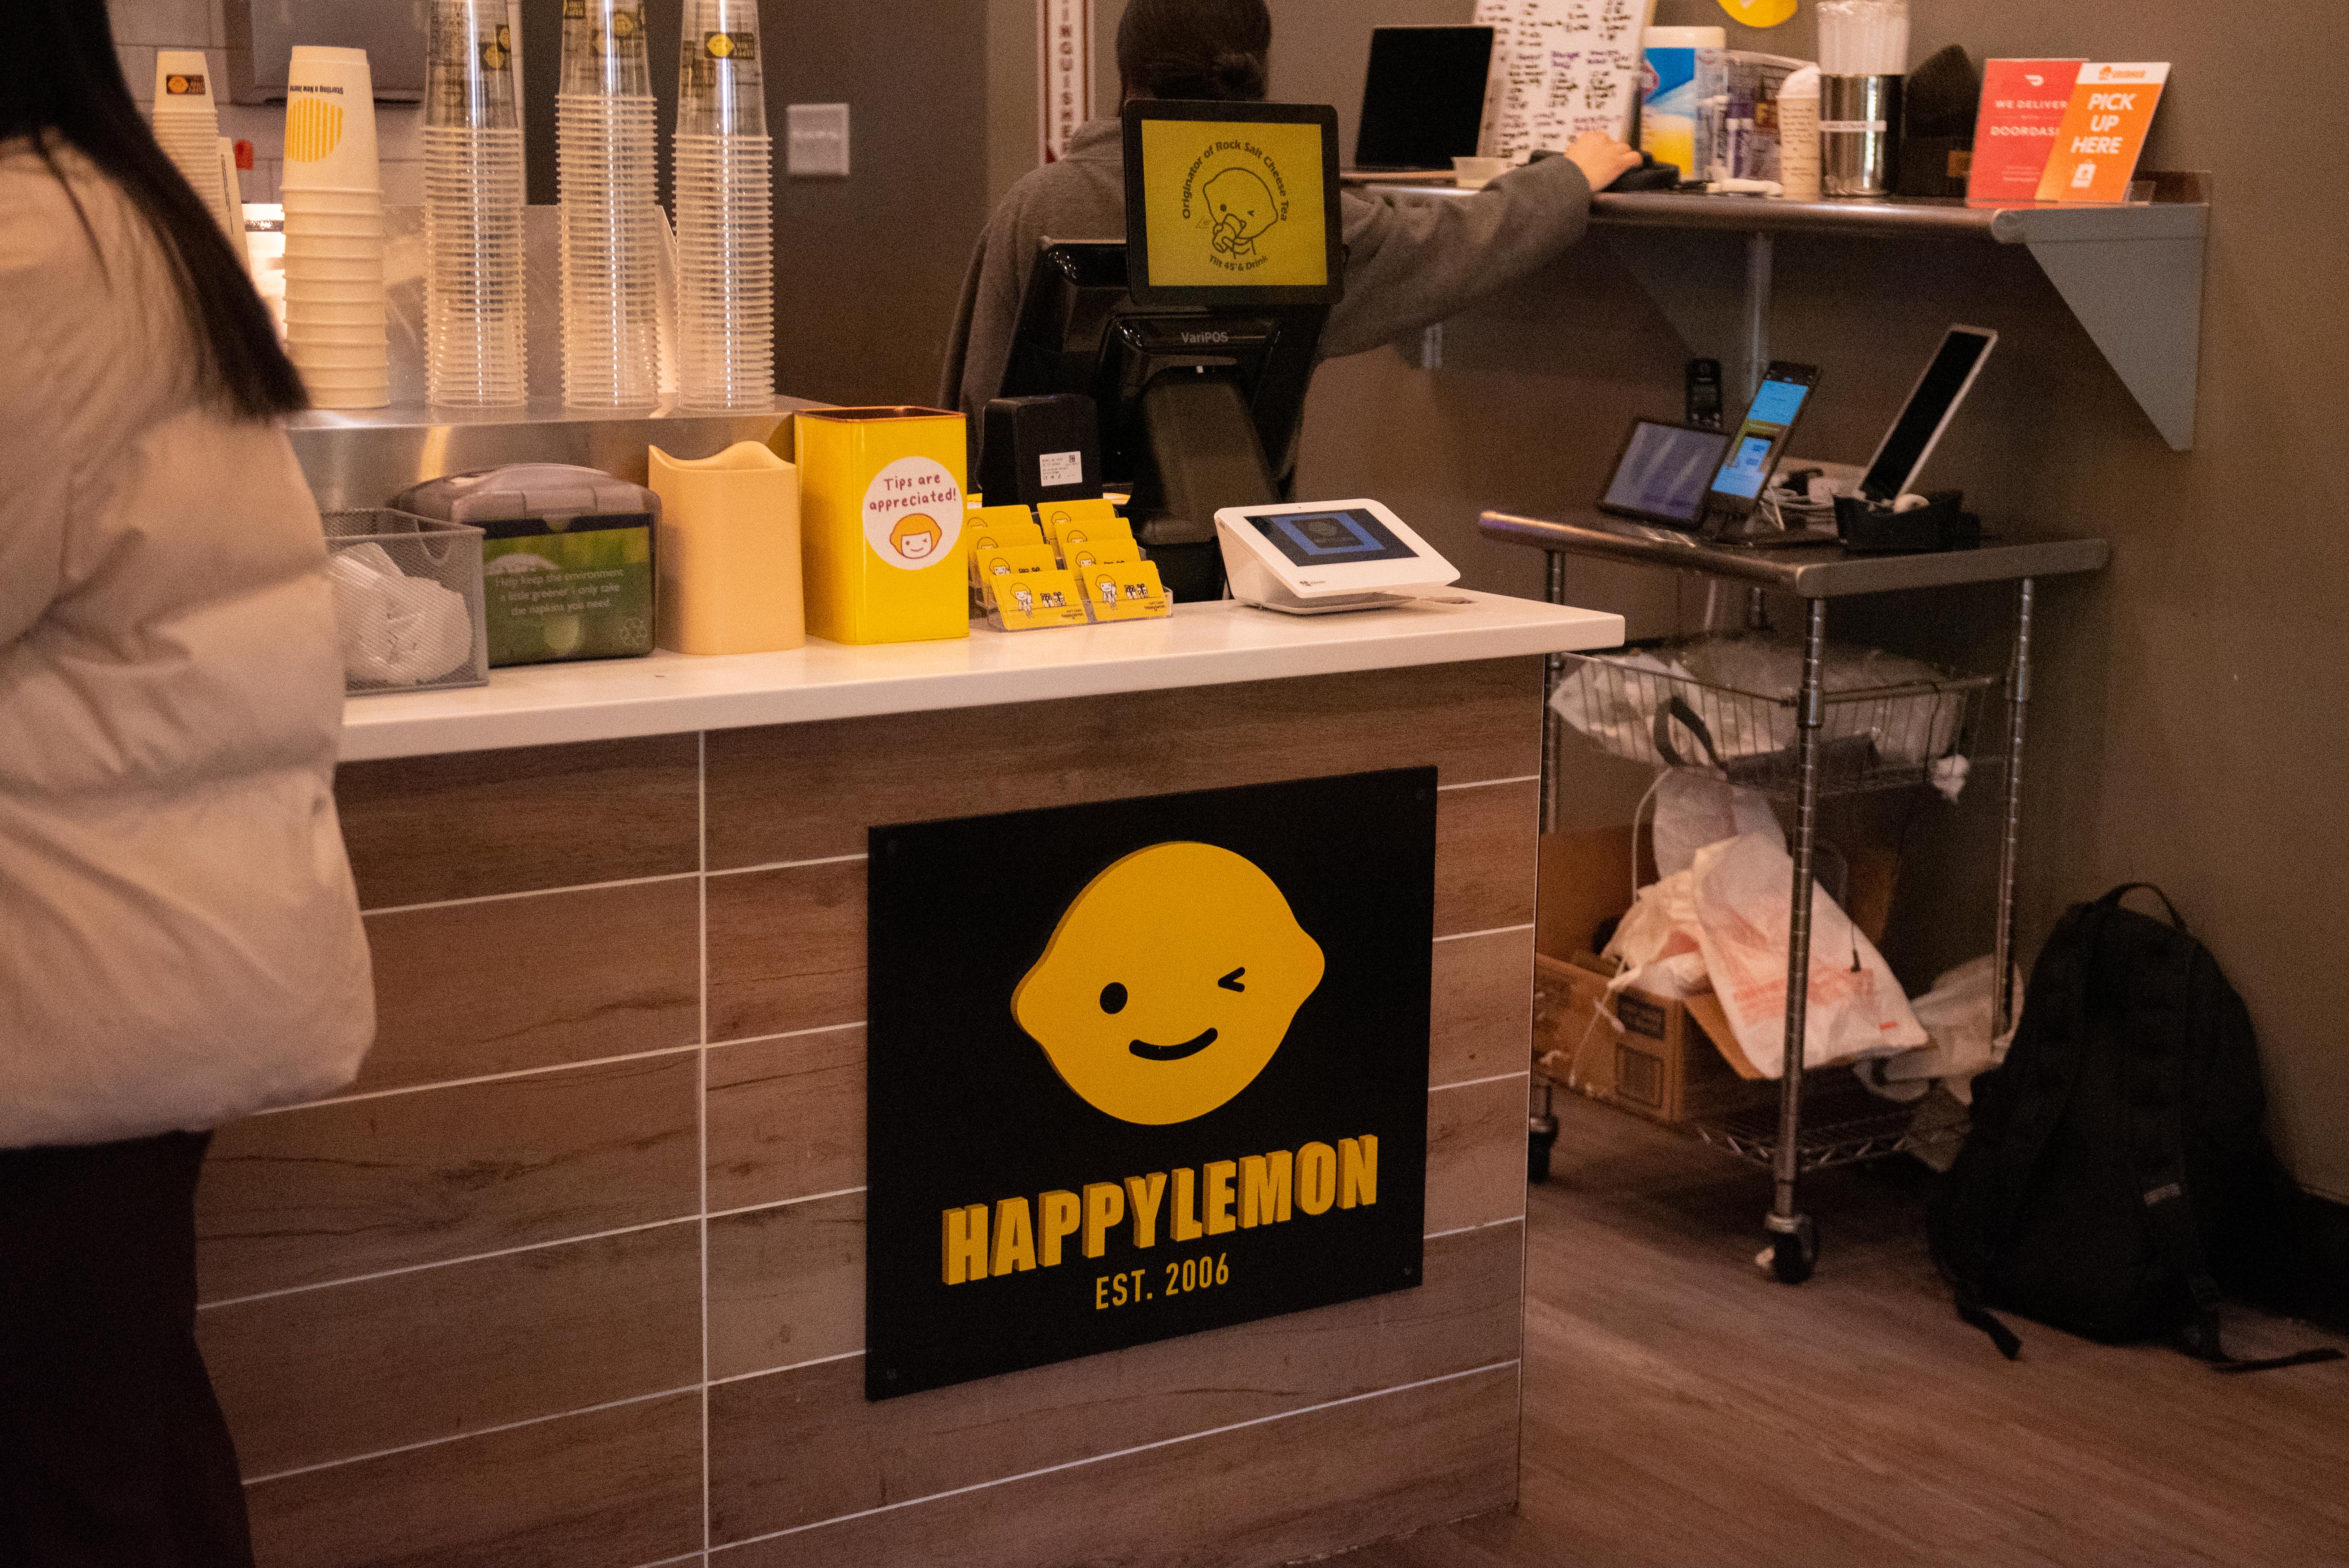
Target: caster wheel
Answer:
pixel 1541 1137
pixel 1794 1256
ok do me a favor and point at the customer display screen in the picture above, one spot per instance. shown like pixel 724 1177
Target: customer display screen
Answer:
pixel 1232 205
pixel 1664 473
pixel 1332 538
pixel 1755 451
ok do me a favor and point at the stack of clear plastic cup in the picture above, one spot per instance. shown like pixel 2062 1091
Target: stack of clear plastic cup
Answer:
pixel 475 310
pixel 187 126
pixel 604 139
pixel 725 212
pixel 333 230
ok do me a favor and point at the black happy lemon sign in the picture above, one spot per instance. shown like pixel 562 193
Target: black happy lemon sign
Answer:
pixel 1143 1069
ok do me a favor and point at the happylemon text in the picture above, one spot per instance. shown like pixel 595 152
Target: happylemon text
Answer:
pixel 1014 1235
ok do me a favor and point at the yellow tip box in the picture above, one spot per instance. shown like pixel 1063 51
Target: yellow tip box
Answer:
pixel 882 514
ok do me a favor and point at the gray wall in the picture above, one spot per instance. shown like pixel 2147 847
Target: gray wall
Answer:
pixel 2192 727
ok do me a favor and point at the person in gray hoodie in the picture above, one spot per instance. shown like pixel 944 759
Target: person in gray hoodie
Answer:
pixel 1410 262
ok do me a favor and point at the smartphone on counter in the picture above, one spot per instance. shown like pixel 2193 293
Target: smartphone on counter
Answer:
pixel 1760 441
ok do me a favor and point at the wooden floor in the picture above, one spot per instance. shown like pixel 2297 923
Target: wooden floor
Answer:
pixel 1680 1409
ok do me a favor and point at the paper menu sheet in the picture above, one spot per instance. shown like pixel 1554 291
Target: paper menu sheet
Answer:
pixel 1561 68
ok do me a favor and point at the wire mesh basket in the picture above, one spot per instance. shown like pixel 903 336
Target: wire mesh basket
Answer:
pixel 1665 705
pixel 407 601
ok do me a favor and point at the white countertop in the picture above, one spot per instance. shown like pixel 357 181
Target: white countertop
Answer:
pixel 1199 644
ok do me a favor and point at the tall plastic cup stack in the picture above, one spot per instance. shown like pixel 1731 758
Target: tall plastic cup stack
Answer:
pixel 333 230
pixel 475 320
pixel 724 212
pixel 603 141
pixel 188 125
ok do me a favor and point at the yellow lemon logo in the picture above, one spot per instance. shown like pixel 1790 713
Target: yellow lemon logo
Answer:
pixel 720 46
pixel 1169 982
pixel 1759 13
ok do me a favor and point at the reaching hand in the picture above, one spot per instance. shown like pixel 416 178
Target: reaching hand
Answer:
pixel 1602 158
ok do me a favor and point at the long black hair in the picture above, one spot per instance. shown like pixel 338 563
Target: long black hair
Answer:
pixel 1216 50
pixel 61 82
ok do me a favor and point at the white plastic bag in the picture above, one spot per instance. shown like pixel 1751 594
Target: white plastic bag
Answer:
pixel 1695 808
pixel 1742 890
pixel 1656 942
pixel 395 630
pixel 1956 1015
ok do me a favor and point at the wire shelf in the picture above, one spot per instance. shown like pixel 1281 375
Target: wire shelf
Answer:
pixel 1842 1124
pixel 1647 704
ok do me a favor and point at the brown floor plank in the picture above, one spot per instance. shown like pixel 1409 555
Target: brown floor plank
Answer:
pixel 1680 1407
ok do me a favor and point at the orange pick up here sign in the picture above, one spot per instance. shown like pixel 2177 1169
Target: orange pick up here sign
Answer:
pixel 2103 132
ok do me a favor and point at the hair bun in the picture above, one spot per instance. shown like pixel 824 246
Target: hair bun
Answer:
pixel 1238 75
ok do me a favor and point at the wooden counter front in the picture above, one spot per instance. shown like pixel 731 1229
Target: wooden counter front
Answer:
pixel 573 1273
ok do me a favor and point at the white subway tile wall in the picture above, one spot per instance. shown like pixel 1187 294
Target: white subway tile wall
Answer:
pixel 143 27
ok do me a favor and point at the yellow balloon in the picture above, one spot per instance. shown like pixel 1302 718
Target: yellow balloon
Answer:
pixel 1759 13
pixel 1169 982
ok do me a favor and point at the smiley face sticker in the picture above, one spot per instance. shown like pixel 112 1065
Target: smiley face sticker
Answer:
pixel 1169 982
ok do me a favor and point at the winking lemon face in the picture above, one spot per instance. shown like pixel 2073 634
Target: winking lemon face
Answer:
pixel 1169 982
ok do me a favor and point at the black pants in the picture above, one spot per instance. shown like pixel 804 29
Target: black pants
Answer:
pixel 112 1451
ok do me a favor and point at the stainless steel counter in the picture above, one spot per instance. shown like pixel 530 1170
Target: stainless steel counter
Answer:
pixel 363 458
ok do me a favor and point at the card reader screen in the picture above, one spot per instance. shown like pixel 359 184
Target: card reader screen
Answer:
pixel 1332 538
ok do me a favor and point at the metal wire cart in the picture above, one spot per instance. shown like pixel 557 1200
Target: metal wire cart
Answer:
pixel 1818 744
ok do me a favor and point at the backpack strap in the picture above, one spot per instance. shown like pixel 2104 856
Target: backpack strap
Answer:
pixel 2056 1020
pixel 2153 1089
pixel 2114 898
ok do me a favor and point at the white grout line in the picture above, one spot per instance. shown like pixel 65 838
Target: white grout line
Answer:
pixel 1472 1083
pixel 701 1121
pixel 534 892
pixel 788 865
pixel 1122 1453
pixel 794 1367
pixel 672 1562
pixel 467 1082
pixel 1490 783
pixel 786 1035
pixel 478 1433
pixel 1495 931
pixel 444 1263
pixel 1505 1220
pixel 1467 1230
pixel 810 1198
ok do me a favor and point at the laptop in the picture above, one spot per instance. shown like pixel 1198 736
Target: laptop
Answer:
pixel 1424 100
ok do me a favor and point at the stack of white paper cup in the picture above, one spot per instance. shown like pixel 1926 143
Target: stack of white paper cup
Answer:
pixel 725 212
pixel 187 125
pixel 333 230
pixel 474 307
pixel 604 162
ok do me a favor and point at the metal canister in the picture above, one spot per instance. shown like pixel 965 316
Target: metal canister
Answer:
pixel 1860 128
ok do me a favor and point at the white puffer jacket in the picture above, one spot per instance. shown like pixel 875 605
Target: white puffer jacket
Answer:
pixel 180 941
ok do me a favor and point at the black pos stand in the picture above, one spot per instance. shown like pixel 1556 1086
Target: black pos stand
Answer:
pixel 1199 388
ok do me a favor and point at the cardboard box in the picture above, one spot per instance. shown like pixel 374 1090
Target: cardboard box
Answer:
pixel 1663 1063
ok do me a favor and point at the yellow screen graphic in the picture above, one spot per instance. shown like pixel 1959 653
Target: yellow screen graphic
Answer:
pixel 1233 204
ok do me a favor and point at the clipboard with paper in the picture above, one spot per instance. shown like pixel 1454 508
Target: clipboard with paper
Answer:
pixel 1561 68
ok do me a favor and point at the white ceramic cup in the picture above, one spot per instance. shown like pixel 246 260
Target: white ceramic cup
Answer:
pixel 330 122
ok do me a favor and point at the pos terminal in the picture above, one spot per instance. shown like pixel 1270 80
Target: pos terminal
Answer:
pixel 1195 336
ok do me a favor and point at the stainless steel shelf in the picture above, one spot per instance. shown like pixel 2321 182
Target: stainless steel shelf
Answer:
pixel 1810 571
pixel 2131 273
pixel 1843 1124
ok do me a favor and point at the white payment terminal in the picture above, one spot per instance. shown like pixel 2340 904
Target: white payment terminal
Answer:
pixel 1318 558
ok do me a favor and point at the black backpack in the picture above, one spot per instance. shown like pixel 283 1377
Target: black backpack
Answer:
pixel 2118 1178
